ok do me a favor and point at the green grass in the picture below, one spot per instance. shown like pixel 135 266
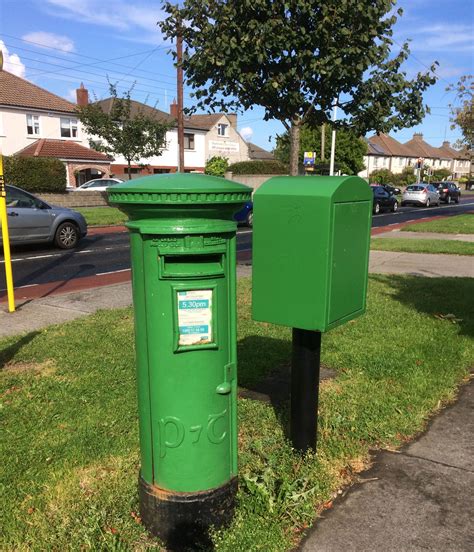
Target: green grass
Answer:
pixel 102 216
pixel 458 224
pixel 446 247
pixel 69 443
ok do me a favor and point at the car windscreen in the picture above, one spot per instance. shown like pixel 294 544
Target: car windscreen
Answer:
pixel 415 188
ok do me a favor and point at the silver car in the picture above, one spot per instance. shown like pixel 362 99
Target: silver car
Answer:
pixel 32 220
pixel 420 194
pixel 98 185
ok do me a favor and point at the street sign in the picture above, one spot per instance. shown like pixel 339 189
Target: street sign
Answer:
pixel 309 158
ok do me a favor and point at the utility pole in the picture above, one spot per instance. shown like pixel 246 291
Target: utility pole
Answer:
pixel 323 142
pixel 333 139
pixel 179 59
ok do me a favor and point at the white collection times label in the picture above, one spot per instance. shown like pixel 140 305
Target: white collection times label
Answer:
pixel 195 316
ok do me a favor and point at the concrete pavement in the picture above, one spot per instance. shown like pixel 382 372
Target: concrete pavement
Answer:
pixel 426 236
pixel 417 499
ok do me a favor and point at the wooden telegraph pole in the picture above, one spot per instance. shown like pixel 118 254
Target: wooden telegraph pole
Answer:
pixel 179 59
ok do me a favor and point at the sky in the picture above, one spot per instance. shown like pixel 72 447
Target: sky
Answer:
pixel 57 44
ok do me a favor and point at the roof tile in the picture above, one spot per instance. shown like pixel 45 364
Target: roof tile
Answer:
pixel 62 149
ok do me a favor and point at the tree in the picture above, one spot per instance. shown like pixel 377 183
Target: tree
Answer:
pixel 405 178
pixel 135 136
pixel 440 174
pixel 381 176
pixel 350 149
pixel 462 115
pixel 294 58
pixel 216 166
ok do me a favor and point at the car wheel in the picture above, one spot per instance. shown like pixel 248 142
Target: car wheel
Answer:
pixel 395 207
pixel 250 219
pixel 457 198
pixel 376 208
pixel 428 202
pixel 403 204
pixel 66 236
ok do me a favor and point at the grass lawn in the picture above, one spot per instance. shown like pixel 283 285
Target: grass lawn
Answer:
pixel 102 216
pixel 448 247
pixel 458 224
pixel 69 444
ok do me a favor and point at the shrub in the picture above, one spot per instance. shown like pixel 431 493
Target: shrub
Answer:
pixel 259 167
pixel 36 174
pixel 381 176
pixel 216 166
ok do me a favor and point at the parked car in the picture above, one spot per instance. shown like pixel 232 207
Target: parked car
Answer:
pixel 383 200
pixel 32 220
pixel 98 184
pixel 392 189
pixel 245 215
pixel 448 191
pixel 420 194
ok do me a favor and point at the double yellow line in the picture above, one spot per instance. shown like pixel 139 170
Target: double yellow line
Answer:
pixel 6 239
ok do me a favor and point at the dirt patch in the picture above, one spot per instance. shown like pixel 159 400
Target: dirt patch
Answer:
pixel 46 368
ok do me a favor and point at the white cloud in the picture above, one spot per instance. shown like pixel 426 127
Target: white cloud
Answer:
pixel 438 37
pixel 50 40
pixel 246 133
pixel 118 14
pixel 12 62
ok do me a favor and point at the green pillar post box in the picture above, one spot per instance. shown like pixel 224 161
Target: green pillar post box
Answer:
pixel 183 247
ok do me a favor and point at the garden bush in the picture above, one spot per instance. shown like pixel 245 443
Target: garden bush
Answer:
pixel 259 167
pixel 35 174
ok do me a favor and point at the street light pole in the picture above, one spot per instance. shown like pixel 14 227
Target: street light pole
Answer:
pixel 333 140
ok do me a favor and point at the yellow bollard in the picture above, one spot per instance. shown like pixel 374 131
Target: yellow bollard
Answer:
pixel 6 240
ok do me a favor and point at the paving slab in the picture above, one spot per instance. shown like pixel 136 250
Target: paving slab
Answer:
pixel 426 236
pixel 421 264
pixel 417 500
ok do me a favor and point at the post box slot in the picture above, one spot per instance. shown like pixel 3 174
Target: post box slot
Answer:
pixel 191 266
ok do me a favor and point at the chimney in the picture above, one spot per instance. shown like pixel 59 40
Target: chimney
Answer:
pixel 418 136
pixel 446 144
pixel 174 109
pixel 82 95
pixel 233 120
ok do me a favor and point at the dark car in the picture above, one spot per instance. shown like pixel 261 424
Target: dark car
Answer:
pixel 383 200
pixel 32 220
pixel 448 191
pixel 392 189
pixel 245 215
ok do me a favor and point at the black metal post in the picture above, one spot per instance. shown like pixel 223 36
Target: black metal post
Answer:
pixel 305 388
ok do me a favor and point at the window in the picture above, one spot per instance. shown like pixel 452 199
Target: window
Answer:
pixel 132 170
pixel 32 125
pixel 222 129
pixel 188 141
pixel 68 128
pixel 21 200
pixel 161 171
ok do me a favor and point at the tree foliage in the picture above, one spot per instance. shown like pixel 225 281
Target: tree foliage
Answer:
pixel 294 58
pixel 350 149
pixel 462 116
pixel 216 166
pixel 133 135
pixel 36 174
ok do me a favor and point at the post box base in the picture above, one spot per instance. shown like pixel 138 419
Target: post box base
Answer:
pixel 182 520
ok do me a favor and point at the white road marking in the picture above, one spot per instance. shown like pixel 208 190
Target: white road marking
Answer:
pixel 21 287
pixel 113 272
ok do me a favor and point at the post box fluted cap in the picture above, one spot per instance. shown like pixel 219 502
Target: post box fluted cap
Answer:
pixel 179 189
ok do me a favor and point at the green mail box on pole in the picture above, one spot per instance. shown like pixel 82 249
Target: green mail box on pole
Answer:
pixel 183 247
pixel 311 241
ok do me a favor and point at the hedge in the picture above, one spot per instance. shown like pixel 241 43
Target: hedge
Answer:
pixel 35 174
pixel 259 167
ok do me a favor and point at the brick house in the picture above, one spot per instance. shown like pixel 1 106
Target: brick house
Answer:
pixel 36 122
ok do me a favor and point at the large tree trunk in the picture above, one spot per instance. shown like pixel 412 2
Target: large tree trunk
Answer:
pixel 295 146
pixel 129 170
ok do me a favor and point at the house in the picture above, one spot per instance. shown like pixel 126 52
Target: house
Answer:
pixel 36 122
pixel 222 137
pixel 256 153
pixel 384 152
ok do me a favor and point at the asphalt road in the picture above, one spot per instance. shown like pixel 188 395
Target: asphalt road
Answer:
pixel 101 254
